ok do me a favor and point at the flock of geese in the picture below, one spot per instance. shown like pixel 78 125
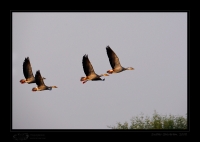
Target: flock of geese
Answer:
pixel 87 68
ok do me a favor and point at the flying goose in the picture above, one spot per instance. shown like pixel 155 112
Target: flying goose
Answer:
pixel 89 71
pixel 40 83
pixel 28 74
pixel 114 62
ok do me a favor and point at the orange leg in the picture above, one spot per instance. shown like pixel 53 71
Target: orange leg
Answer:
pixel 110 71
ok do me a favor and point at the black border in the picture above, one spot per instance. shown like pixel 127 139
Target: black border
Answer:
pixel 56 134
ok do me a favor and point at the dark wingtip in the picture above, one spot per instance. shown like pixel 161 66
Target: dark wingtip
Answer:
pixel 86 56
pixel 107 46
pixel 26 58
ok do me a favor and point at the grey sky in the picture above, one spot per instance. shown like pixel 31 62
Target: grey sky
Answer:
pixel 155 44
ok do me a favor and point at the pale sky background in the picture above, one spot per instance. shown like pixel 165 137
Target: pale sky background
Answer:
pixel 153 43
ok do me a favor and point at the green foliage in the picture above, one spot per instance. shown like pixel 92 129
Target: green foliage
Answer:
pixel 156 122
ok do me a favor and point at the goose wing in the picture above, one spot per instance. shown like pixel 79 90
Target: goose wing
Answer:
pixel 114 60
pixel 27 69
pixel 87 66
pixel 38 79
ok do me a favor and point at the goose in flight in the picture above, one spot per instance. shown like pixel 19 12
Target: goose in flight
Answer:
pixel 40 83
pixel 114 62
pixel 89 71
pixel 28 74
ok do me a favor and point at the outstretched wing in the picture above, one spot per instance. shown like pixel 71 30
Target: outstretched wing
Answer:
pixel 27 69
pixel 38 79
pixel 87 66
pixel 114 60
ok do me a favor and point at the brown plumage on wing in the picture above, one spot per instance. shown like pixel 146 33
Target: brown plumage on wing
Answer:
pixel 89 71
pixel 114 62
pixel 40 83
pixel 27 71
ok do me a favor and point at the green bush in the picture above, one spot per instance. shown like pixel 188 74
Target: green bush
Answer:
pixel 156 122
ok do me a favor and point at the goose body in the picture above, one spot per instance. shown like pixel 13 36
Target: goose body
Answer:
pixel 89 71
pixel 27 71
pixel 40 83
pixel 114 62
